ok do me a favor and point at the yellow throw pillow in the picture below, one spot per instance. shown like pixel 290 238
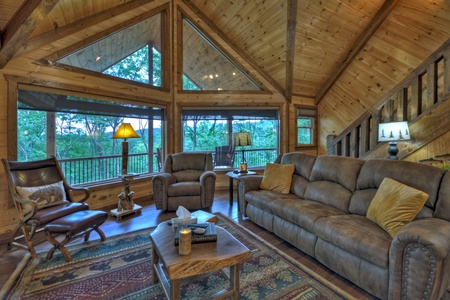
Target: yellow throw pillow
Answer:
pixel 395 205
pixel 277 178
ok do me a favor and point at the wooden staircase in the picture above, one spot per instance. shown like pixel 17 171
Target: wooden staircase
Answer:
pixel 421 99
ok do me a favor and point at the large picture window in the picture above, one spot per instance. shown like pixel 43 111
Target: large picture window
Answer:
pixel 78 131
pixel 210 130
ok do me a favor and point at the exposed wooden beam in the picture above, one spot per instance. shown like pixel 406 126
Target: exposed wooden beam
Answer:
pixel 290 46
pixel 359 44
pixel 235 47
pixel 21 26
pixel 79 25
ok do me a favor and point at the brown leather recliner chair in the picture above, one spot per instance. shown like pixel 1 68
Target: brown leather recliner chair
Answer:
pixel 41 195
pixel 187 180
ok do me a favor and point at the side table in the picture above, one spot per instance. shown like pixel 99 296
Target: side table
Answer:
pixel 236 176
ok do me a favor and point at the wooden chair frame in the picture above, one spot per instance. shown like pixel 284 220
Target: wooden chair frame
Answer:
pixel 16 174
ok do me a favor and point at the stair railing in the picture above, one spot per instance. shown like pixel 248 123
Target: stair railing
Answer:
pixel 418 99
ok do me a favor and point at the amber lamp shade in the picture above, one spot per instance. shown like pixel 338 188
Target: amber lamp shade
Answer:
pixel 125 132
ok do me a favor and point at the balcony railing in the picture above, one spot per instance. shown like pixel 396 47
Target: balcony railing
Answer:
pixel 91 169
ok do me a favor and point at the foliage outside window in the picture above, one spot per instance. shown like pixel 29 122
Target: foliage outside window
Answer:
pixel 125 53
pixel 203 130
pixel 136 67
pixel 306 120
pixel 78 131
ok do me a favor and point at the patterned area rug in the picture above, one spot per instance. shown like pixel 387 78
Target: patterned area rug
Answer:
pixel 120 268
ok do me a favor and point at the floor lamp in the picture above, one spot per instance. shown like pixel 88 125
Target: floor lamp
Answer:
pixel 126 204
pixel 125 132
pixel 242 139
pixel 393 132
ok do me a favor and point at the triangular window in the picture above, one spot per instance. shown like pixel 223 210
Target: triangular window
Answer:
pixel 207 67
pixel 125 53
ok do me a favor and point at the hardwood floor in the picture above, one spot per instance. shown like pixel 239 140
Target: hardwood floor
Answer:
pixel 151 217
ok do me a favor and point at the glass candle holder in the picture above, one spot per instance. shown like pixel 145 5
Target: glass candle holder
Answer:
pixel 243 167
pixel 185 241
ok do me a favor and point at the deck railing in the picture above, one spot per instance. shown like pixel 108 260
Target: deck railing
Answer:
pixel 91 169
pixel 418 99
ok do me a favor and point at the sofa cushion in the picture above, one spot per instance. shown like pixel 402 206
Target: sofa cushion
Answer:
pixel 443 204
pixel 266 200
pixel 277 178
pixel 375 170
pixel 301 212
pixel 356 235
pixel 187 188
pixel 332 180
pixel 338 169
pixel 303 163
pixel 395 205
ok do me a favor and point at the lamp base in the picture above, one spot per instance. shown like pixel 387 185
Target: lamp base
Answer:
pixel 393 150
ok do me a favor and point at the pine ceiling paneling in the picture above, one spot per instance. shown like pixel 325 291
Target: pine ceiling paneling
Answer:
pixel 325 31
pixel 409 35
pixel 256 27
pixel 69 11
pixel 7 10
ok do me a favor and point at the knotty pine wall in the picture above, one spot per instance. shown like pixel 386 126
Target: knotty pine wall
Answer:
pixel 408 36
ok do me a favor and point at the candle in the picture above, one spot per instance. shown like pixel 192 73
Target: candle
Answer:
pixel 185 241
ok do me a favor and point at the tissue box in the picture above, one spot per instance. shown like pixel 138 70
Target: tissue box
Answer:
pixel 178 221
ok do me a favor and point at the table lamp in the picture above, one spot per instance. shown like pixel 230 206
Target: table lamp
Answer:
pixel 125 132
pixel 242 139
pixel 392 133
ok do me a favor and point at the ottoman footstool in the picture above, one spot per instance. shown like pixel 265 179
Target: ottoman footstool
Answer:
pixel 72 226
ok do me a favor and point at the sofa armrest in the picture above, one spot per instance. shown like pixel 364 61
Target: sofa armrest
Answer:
pixel 247 184
pixel 419 261
pixel 161 184
pixel 208 184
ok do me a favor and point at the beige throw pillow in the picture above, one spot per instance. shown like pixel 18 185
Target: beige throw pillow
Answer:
pixel 395 205
pixel 277 178
pixel 45 195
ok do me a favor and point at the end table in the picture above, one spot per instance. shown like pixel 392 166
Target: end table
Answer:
pixel 233 175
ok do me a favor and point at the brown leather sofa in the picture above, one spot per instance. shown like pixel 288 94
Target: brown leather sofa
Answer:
pixel 324 215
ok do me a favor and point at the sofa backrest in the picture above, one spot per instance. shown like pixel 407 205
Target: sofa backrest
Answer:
pixel 443 203
pixel 303 163
pixel 188 166
pixel 420 176
pixel 333 180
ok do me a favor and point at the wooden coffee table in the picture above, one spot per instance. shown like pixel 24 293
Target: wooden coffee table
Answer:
pixel 169 267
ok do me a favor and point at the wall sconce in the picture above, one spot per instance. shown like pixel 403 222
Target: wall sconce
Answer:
pixel 392 133
pixel 242 139
pixel 125 132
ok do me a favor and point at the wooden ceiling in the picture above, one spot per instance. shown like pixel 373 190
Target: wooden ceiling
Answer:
pixel 344 50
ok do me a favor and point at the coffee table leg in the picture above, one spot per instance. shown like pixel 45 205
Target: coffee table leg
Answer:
pixel 175 289
pixel 155 260
pixel 234 280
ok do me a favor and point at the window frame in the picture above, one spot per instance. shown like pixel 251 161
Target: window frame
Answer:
pixel 307 112
pixel 232 117
pixel 13 150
